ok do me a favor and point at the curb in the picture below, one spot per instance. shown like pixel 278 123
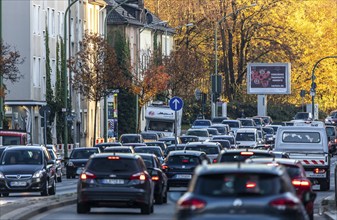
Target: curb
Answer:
pixel 40 207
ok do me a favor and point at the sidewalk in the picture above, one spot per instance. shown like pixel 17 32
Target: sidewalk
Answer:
pixel 328 207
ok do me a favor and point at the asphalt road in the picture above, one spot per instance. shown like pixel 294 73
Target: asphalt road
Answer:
pixel 165 211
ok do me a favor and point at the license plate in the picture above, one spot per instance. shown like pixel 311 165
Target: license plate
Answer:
pixel 316 187
pixel 183 176
pixel 112 181
pixel 317 175
pixel 16 183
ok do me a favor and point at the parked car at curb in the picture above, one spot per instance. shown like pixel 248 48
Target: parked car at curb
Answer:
pixel 58 165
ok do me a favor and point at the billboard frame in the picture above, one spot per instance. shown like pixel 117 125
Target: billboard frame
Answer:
pixel 269 88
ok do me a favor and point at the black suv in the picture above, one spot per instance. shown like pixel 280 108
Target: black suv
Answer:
pixel 179 166
pixel 27 169
pixel 115 180
pixel 77 160
pixel 240 191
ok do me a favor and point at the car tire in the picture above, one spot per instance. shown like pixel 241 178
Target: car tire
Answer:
pixel 5 194
pixel 82 208
pixel 146 209
pixel 52 190
pixel 159 199
pixel 45 189
pixel 325 185
pixel 165 197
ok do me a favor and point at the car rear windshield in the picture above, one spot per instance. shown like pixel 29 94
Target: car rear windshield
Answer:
pixel 169 149
pixel 155 151
pixel 198 133
pixel 83 154
pixel 118 150
pixel 148 161
pixel 245 136
pixel 183 160
pixel 150 136
pixel 268 130
pixel 301 137
pixel 188 139
pixel 293 171
pixel 202 123
pixel 130 139
pixel 242 156
pixel 247 123
pixel 206 149
pixel 238 184
pixel 114 164
pixel 232 124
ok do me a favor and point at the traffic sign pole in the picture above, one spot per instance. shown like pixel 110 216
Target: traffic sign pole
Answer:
pixel 176 104
pixel 175 129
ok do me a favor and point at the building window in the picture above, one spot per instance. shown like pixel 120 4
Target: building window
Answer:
pixel 53 73
pixel 38 20
pixel 36 71
pixel 53 22
pixel 58 23
pixel 72 27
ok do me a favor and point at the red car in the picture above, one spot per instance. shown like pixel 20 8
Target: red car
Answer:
pixel 299 180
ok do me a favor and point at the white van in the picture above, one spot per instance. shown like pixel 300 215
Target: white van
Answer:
pixel 247 138
pixel 307 142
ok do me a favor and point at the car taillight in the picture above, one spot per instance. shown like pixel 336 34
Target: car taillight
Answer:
pixel 87 175
pixel 250 185
pixel 317 170
pixel 155 178
pixel 192 204
pixel 138 176
pixel 113 158
pixel 296 182
pixel 247 153
pixel 284 204
pixel 164 167
pixel 214 160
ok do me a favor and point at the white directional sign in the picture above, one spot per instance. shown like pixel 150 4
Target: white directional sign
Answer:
pixel 176 103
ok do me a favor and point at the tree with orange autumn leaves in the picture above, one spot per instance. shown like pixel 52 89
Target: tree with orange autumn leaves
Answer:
pixel 151 81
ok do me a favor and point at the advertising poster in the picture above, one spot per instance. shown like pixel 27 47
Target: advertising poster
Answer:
pixel 266 78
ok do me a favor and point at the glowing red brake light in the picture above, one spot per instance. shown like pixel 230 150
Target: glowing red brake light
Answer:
pixel 192 204
pixel 250 185
pixel 317 170
pixel 247 153
pixel 185 161
pixel 300 182
pixel 164 167
pixel 138 176
pixel 215 160
pixel 113 158
pixel 87 175
pixel 155 178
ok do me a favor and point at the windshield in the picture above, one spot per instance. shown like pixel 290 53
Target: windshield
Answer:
pixel 257 121
pixel 238 157
pixel 161 126
pixel 206 149
pixel 183 160
pixel 202 123
pixel 245 137
pixel 150 136
pixel 301 137
pixel 82 154
pixel 302 115
pixel 105 165
pixel 155 151
pixel 26 156
pixel 268 130
pixel 232 124
pixel 247 123
pixel 238 184
pixel 198 133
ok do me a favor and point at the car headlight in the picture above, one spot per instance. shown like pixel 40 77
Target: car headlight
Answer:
pixel 71 164
pixel 2 176
pixel 38 174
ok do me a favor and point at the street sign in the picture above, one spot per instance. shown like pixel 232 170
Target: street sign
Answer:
pixel 176 103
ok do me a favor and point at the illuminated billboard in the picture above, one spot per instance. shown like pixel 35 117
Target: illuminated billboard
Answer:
pixel 268 78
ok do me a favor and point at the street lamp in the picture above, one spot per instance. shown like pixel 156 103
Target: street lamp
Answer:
pixel 105 118
pixel 313 84
pixel 216 44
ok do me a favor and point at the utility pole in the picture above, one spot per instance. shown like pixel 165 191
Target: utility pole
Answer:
pixel 1 77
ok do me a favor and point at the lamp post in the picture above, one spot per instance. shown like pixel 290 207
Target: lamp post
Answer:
pixel 313 84
pixel 65 86
pixel 216 45
pixel 105 118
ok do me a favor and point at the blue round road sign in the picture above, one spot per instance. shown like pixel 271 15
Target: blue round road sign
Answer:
pixel 176 103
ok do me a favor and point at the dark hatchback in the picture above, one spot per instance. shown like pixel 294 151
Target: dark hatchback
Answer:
pixel 240 155
pixel 240 191
pixel 179 166
pixel 78 158
pixel 158 177
pixel 115 180
pixel 27 169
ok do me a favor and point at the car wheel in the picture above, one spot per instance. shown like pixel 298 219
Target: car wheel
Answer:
pixel 5 194
pixel 165 197
pixel 146 209
pixel 159 199
pixel 45 189
pixel 52 190
pixel 82 208
pixel 325 185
